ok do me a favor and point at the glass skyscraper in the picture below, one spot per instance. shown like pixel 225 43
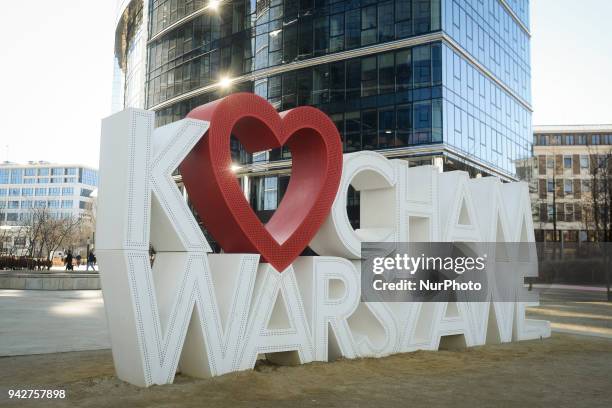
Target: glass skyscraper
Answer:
pixel 431 81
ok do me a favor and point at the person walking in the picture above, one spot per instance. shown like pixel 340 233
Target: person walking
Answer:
pixel 69 261
pixel 91 261
pixel 78 260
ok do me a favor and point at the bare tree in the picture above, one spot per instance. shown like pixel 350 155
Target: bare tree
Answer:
pixel 64 232
pixel 4 235
pixel 601 204
pixel 45 232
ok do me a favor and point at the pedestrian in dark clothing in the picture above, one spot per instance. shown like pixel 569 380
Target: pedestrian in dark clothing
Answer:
pixel 91 261
pixel 69 261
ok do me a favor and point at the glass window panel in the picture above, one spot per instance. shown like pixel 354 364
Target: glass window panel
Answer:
pixel 422 122
pixel 17 176
pixel 386 26
pixel 551 212
pixel 274 87
pixel 290 43
pixel 403 61
pixel 435 15
pixel 421 10
pixel 336 25
pixel 403 29
pixel 386 74
pixel 353 79
pixel 368 25
pixel 275 42
pixel 270 193
pixel 261 88
pixel 368 17
pixel 304 79
pixel 289 90
pixel 585 186
pixel 352 132
pixel 291 8
pixel 305 37
pixel 584 161
pixel 386 128
pixel 404 125
pixel 403 10
pixel 369 130
pixel 403 17
pixel 336 43
pixel 276 12
pixel 436 129
pixel 321 35
pixel 436 63
pixel 352 36
pixel 320 84
pixel 369 81
pixel 422 65
pixel 336 33
pixel 336 71
pixel 338 120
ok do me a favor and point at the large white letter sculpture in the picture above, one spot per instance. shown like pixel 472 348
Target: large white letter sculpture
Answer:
pixel 209 314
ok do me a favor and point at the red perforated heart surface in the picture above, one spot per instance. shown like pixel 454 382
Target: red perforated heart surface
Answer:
pixel 220 202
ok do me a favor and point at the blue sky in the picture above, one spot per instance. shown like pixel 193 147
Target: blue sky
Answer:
pixel 56 71
pixel 571 58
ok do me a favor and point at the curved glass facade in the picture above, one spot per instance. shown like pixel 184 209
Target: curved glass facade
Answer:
pixel 452 76
pixel 130 55
pixel 245 36
pixel 379 101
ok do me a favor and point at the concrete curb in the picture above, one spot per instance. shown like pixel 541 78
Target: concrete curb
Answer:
pixel 49 280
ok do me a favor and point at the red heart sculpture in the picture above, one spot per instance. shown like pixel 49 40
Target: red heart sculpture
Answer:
pixel 220 202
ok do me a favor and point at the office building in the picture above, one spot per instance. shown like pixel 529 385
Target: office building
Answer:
pixel 65 190
pixel 561 173
pixel 441 82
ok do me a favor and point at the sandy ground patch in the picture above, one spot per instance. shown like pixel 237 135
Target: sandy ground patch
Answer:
pixel 564 371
